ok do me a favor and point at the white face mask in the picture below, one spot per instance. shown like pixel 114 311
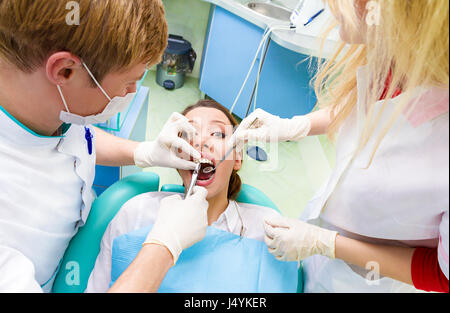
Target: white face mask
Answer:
pixel 115 105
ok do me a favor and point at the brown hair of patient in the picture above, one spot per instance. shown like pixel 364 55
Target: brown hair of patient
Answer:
pixel 235 184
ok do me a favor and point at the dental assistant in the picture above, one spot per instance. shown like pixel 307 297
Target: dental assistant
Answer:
pixel 380 223
pixel 56 81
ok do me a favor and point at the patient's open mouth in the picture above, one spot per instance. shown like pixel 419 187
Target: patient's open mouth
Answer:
pixel 205 179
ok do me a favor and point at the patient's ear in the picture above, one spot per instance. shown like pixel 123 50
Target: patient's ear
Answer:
pixel 238 161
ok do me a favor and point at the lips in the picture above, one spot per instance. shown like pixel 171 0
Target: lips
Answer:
pixel 205 179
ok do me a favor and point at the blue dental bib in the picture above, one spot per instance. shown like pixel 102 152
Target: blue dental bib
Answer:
pixel 221 263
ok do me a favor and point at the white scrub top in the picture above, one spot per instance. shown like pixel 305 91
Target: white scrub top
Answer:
pixel 401 199
pixel 45 195
pixel 142 210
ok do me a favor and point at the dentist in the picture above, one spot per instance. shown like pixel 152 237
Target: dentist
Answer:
pixel 380 223
pixel 56 81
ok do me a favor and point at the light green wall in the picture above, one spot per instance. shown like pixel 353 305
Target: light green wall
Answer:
pixel 189 18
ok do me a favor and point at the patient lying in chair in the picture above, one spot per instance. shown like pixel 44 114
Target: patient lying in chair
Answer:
pixel 232 257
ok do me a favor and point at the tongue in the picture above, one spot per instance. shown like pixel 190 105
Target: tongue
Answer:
pixel 203 176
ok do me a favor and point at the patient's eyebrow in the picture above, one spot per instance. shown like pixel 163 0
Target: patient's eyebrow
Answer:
pixel 213 121
pixel 220 122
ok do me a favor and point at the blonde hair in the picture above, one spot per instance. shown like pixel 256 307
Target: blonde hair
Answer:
pixel 409 43
pixel 112 34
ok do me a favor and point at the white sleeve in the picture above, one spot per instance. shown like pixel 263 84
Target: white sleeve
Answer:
pixel 443 244
pixel 135 213
pixel 16 272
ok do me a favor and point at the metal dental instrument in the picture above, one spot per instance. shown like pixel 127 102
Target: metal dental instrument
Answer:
pixel 210 169
pixel 193 180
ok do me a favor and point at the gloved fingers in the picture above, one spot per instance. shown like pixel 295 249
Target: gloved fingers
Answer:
pixel 281 258
pixel 279 251
pixel 175 117
pixel 177 124
pixel 172 198
pixel 199 193
pixel 246 122
pixel 270 243
pixel 249 123
pixel 278 221
pixel 259 114
pixel 259 134
pixel 181 164
pixel 184 127
pixel 269 231
pixel 271 237
pixel 278 254
pixel 187 150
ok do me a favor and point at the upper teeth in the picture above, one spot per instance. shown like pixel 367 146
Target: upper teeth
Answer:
pixel 203 160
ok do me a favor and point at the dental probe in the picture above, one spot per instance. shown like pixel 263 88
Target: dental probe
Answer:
pixel 193 180
pixel 210 169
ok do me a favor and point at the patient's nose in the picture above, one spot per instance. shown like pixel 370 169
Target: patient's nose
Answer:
pixel 203 144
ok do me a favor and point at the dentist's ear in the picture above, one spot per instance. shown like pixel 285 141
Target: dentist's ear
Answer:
pixel 60 67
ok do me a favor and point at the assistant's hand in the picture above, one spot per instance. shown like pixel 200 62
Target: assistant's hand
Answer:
pixel 290 239
pixel 271 126
pixel 163 151
pixel 180 223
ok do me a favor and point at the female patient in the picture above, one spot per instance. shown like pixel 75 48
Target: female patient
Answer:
pixel 232 257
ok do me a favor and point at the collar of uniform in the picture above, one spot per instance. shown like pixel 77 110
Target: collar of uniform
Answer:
pixel 230 216
pixel 431 101
pixel 17 132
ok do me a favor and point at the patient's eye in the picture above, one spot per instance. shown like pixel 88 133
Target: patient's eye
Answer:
pixel 219 134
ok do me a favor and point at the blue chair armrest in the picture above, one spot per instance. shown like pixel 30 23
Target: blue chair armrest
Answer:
pixel 81 254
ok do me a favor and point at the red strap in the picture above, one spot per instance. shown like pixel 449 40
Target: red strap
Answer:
pixel 426 272
pixel 387 84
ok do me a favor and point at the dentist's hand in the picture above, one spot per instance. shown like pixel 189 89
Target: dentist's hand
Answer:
pixel 180 223
pixel 271 126
pixel 163 151
pixel 290 239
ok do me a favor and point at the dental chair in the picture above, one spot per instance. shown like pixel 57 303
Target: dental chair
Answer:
pixel 81 254
pixel 248 194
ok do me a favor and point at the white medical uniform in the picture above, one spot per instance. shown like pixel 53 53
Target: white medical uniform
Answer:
pixel 45 195
pixel 142 210
pixel 401 199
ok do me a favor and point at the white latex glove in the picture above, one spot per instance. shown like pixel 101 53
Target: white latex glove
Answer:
pixel 164 150
pixel 180 223
pixel 271 126
pixel 290 239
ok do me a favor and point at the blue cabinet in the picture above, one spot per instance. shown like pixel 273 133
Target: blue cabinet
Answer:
pixel 132 124
pixel 230 46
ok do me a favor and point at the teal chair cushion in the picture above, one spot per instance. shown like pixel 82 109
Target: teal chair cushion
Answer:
pixel 81 254
pixel 248 194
